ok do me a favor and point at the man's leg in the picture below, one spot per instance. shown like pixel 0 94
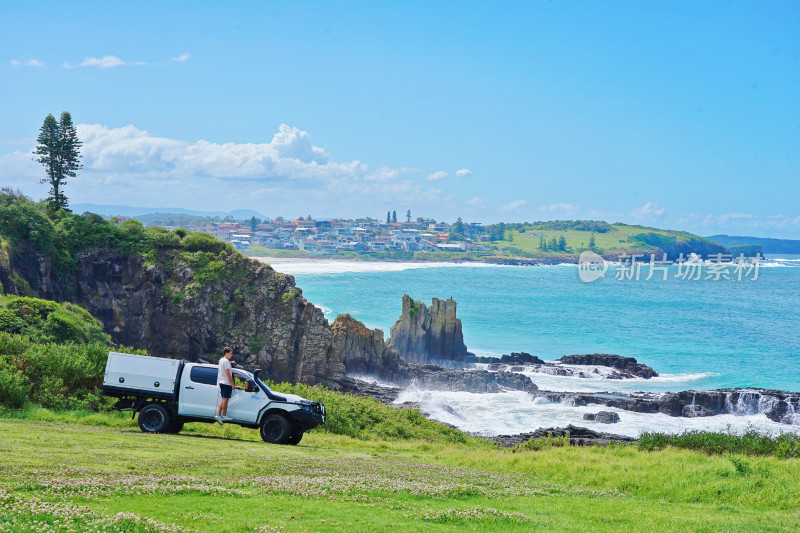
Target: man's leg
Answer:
pixel 224 407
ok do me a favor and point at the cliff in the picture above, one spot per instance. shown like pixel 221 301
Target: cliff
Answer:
pixel 428 334
pixel 363 350
pixel 185 296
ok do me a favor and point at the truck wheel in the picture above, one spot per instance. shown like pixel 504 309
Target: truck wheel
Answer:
pixel 295 438
pixel 174 427
pixel 154 418
pixel 275 429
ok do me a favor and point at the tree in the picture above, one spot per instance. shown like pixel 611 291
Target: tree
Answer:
pixel 394 216
pixel 388 217
pixel 59 152
pixel 458 227
pixel 562 243
pixel 592 244
pixel 408 215
pixel 253 223
pixel 553 244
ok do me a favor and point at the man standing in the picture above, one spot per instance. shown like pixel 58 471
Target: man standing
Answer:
pixel 226 385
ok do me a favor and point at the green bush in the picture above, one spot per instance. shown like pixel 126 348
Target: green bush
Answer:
pixel 785 445
pixel 203 242
pixel 54 376
pixel 14 389
pixel 47 321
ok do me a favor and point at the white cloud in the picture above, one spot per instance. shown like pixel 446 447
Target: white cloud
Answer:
pixel 100 62
pixel 561 208
pixel 181 58
pixel 649 211
pixel 476 202
pixel 511 206
pixel 287 175
pixel 463 173
pixel 29 63
pixel 436 176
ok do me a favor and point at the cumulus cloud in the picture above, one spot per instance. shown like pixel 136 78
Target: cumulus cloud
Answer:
pixel 463 173
pixel 28 63
pixel 476 202
pixel 649 211
pixel 181 58
pixel 436 176
pixel 100 62
pixel 132 166
pixel 512 206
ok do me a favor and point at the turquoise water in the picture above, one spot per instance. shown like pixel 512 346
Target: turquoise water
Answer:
pixel 715 333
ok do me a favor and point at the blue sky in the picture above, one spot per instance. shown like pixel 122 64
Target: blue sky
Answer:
pixel 675 114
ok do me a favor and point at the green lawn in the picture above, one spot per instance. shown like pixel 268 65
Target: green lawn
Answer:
pixel 614 241
pixel 80 475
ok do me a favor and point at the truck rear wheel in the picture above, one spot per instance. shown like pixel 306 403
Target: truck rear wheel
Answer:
pixel 174 427
pixel 275 429
pixel 154 418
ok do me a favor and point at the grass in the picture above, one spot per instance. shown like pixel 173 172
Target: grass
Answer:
pixel 77 466
pixel 614 241
pixel 256 250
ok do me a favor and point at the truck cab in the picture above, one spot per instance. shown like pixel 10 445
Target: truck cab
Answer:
pixel 166 393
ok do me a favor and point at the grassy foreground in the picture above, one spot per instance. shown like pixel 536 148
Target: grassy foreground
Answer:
pixel 99 473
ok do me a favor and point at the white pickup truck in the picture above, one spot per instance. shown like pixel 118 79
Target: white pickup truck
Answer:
pixel 167 392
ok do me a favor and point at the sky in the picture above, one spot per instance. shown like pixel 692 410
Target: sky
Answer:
pixel 682 115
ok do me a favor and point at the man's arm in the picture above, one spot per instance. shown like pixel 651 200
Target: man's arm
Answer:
pixel 230 377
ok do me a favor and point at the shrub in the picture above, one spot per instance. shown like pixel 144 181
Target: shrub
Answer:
pixel 785 445
pixel 47 321
pixel 203 242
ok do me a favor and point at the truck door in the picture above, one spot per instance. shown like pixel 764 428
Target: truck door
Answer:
pixel 244 404
pixel 199 392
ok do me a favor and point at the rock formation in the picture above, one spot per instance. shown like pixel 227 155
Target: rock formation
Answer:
pixel 363 350
pixel 162 307
pixel 578 436
pixel 627 365
pixel 428 334
pixel 779 406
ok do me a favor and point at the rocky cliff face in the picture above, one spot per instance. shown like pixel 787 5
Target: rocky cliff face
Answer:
pixel 163 307
pixel 428 334
pixel 363 350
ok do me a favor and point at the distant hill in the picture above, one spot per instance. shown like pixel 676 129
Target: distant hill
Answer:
pixel 131 211
pixel 769 246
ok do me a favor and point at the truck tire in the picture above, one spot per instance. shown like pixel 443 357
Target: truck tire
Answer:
pixel 275 429
pixel 154 418
pixel 295 438
pixel 174 427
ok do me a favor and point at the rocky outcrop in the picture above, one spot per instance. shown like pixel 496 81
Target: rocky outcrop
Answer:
pixel 434 377
pixel 514 358
pixel 778 406
pixel 578 436
pixel 626 365
pixel 363 350
pixel 428 334
pixel 161 306
pixel 604 417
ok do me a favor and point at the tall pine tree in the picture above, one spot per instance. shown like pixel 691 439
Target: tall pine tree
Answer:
pixel 59 152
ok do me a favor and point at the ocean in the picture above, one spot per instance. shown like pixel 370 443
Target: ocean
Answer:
pixel 697 333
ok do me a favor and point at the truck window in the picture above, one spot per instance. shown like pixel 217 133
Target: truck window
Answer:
pixel 243 381
pixel 205 375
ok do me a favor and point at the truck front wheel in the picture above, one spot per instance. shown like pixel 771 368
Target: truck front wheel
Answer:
pixel 275 429
pixel 154 418
pixel 295 438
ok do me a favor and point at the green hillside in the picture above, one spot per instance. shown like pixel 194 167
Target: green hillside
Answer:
pixel 609 239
